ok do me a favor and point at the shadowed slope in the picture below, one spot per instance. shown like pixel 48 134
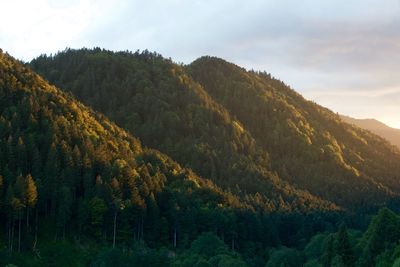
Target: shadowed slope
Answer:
pixel 308 144
pixel 158 102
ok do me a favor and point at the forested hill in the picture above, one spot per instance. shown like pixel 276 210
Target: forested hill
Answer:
pixel 157 101
pixel 79 171
pixel 67 172
pixel 308 145
pixel 77 190
pixel 247 131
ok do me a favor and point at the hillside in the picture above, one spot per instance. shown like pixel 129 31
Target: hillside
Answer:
pixel 236 127
pixel 377 127
pixel 158 102
pixel 76 169
pixel 68 173
pixel 73 185
pixel 308 144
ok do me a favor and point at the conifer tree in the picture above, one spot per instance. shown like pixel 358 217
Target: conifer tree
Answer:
pixel 343 247
pixel 117 204
pixel 1 188
pixel 31 196
pixel 329 253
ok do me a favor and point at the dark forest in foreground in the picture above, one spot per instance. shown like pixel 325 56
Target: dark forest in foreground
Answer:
pixel 206 165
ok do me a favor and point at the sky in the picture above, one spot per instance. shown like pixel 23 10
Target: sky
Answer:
pixel 342 54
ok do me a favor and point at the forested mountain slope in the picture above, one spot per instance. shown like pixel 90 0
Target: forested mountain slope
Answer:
pixel 236 127
pixel 308 145
pixel 78 170
pixel 377 127
pixel 67 172
pixel 73 184
pixel 157 101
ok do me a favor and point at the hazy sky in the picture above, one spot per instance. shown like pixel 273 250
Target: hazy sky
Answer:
pixel 343 54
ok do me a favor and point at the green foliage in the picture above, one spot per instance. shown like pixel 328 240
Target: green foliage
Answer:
pixel 329 252
pixel 208 245
pixel 157 101
pixel 343 248
pixel 396 263
pixel 224 260
pixel 380 236
pixel 308 145
pixel 68 168
pixel 338 261
pixel 80 179
pixel 262 132
pixel 97 210
pixel 138 256
pixel 285 257
pixel 61 254
pixel 315 247
pixel 208 250
pixel 312 263
pixel 84 183
pixel 202 263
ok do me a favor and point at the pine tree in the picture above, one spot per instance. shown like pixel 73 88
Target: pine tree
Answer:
pixel 152 219
pixel 343 247
pixel 10 215
pixel 16 202
pixel 64 208
pixel 51 173
pixel 329 253
pixel 1 188
pixel 31 196
pixel 117 204
pixel 22 155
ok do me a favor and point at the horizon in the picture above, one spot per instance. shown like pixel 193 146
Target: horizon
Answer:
pixel 340 54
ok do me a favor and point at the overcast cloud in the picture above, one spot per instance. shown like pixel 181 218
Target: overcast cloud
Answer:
pixel 343 54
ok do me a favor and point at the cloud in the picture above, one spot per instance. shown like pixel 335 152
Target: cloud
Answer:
pixel 30 28
pixel 327 50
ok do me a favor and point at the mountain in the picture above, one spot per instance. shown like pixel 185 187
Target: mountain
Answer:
pixel 247 131
pixel 377 127
pixel 69 174
pixel 308 145
pixel 78 170
pixel 157 101
pixel 78 190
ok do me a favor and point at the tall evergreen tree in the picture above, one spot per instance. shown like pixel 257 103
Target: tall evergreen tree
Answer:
pixel 343 247
pixel 31 196
pixel 329 252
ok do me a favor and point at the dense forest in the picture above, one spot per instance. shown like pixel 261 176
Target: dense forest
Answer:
pixel 206 165
pixel 344 163
pixel 159 103
pixel 231 125
pixel 68 174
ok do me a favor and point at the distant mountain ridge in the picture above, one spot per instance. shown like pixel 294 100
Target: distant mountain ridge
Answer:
pixel 377 127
